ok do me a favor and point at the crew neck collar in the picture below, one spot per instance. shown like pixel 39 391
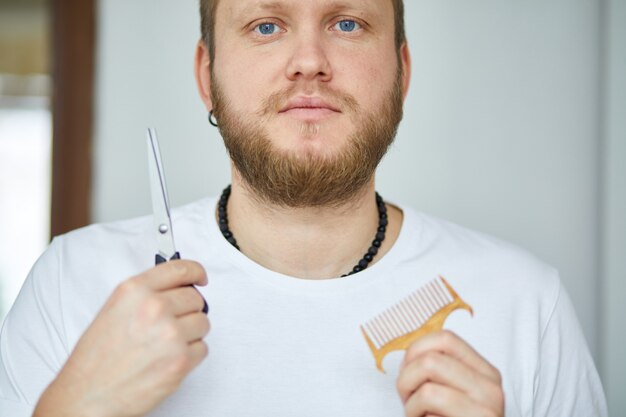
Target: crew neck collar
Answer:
pixel 226 252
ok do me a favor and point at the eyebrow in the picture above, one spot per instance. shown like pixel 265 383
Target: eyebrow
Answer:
pixel 260 6
pixel 273 6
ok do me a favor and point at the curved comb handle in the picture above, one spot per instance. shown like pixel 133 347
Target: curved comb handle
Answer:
pixel 422 312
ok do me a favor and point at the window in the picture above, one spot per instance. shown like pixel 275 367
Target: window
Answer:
pixel 25 142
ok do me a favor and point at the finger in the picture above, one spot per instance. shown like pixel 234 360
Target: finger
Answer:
pixel 172 274
pixel 438 399
pixel 182 300
pixel 198 351
pixel 447 342
pixel 194 326
pixel 446 370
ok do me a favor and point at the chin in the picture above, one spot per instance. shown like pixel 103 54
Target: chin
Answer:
pixel 313 145
pixel 310 129
pixel 303 138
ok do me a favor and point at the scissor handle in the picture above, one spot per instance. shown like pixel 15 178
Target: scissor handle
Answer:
pixel 159 260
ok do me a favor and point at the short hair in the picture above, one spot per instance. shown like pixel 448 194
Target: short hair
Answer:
pixel 207 24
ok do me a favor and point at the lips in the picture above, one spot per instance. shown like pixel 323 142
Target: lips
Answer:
pixel 309 104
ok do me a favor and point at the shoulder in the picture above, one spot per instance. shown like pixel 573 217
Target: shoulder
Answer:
pixel 81 268
pixel 97 257
pixel 125 236
pixel 477 259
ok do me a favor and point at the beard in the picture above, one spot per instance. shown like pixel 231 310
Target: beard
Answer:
pixel 308 179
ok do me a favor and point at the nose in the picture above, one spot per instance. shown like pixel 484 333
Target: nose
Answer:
pixel 309 60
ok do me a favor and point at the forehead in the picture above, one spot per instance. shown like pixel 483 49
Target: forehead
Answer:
pixel 228 10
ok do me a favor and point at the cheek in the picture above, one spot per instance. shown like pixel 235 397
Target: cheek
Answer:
pixel 365 76
pixel 246 80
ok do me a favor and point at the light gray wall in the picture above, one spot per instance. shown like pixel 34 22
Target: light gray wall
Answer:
pixel 613 365
pixel 502 128
pixel 145 78
pixel 501 131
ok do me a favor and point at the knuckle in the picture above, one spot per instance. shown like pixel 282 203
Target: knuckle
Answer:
pixel 188 271
pixel 204 350
pixel 493 396
pixel 411 353
pixel 499 398
pixel 206 325
pixel 198 271
pixel 429 361
pixel 127 287
pixel 497 376
pixel 170 332
pixel 447 337
pixel 402 385
pixel 399 385
pixel 429 392
pixel 198 300
pixel 152 308
pixel 432 394
pixel 489 413
pixel 180 363
pixel 178 267
pixel 196 265
pixel 191 297
pixel 493 393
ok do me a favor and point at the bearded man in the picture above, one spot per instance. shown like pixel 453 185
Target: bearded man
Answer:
pixel 301 252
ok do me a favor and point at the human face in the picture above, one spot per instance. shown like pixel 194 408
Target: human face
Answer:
pixel 311 78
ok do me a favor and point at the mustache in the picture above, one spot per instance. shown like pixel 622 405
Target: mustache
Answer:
pixel 273 103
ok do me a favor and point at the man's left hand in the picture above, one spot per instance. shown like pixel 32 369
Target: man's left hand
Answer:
pixel 441 375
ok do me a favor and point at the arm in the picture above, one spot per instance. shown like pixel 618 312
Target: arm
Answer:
pixel 139 348
pixel 144 341
pixel 32 341
pixel 566 380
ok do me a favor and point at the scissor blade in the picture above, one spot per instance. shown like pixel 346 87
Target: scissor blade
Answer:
pixel 160 199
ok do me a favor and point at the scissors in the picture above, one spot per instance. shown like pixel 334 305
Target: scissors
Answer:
pixel 161 206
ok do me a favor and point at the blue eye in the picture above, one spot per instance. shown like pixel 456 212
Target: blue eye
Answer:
pixel 266 28
pixel 347 25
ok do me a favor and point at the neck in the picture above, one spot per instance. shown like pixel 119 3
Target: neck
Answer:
pixel 310 243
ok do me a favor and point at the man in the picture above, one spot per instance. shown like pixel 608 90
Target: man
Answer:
pixel 300 254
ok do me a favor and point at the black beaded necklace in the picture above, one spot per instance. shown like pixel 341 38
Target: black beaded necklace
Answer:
pixel 363 263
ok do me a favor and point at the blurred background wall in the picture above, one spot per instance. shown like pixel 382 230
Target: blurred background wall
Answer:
pixel 514 125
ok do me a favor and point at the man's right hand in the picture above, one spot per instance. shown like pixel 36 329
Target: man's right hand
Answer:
pixel 144 341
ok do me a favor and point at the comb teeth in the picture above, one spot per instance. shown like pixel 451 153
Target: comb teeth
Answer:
pixel 409 314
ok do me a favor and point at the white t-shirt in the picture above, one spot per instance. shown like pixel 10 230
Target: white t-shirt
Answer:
pixel 283 346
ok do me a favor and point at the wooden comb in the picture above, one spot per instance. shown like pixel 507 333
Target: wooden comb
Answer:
pixel 423 311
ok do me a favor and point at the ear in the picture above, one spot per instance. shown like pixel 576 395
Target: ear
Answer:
pixel 405 58
pixel 203 74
